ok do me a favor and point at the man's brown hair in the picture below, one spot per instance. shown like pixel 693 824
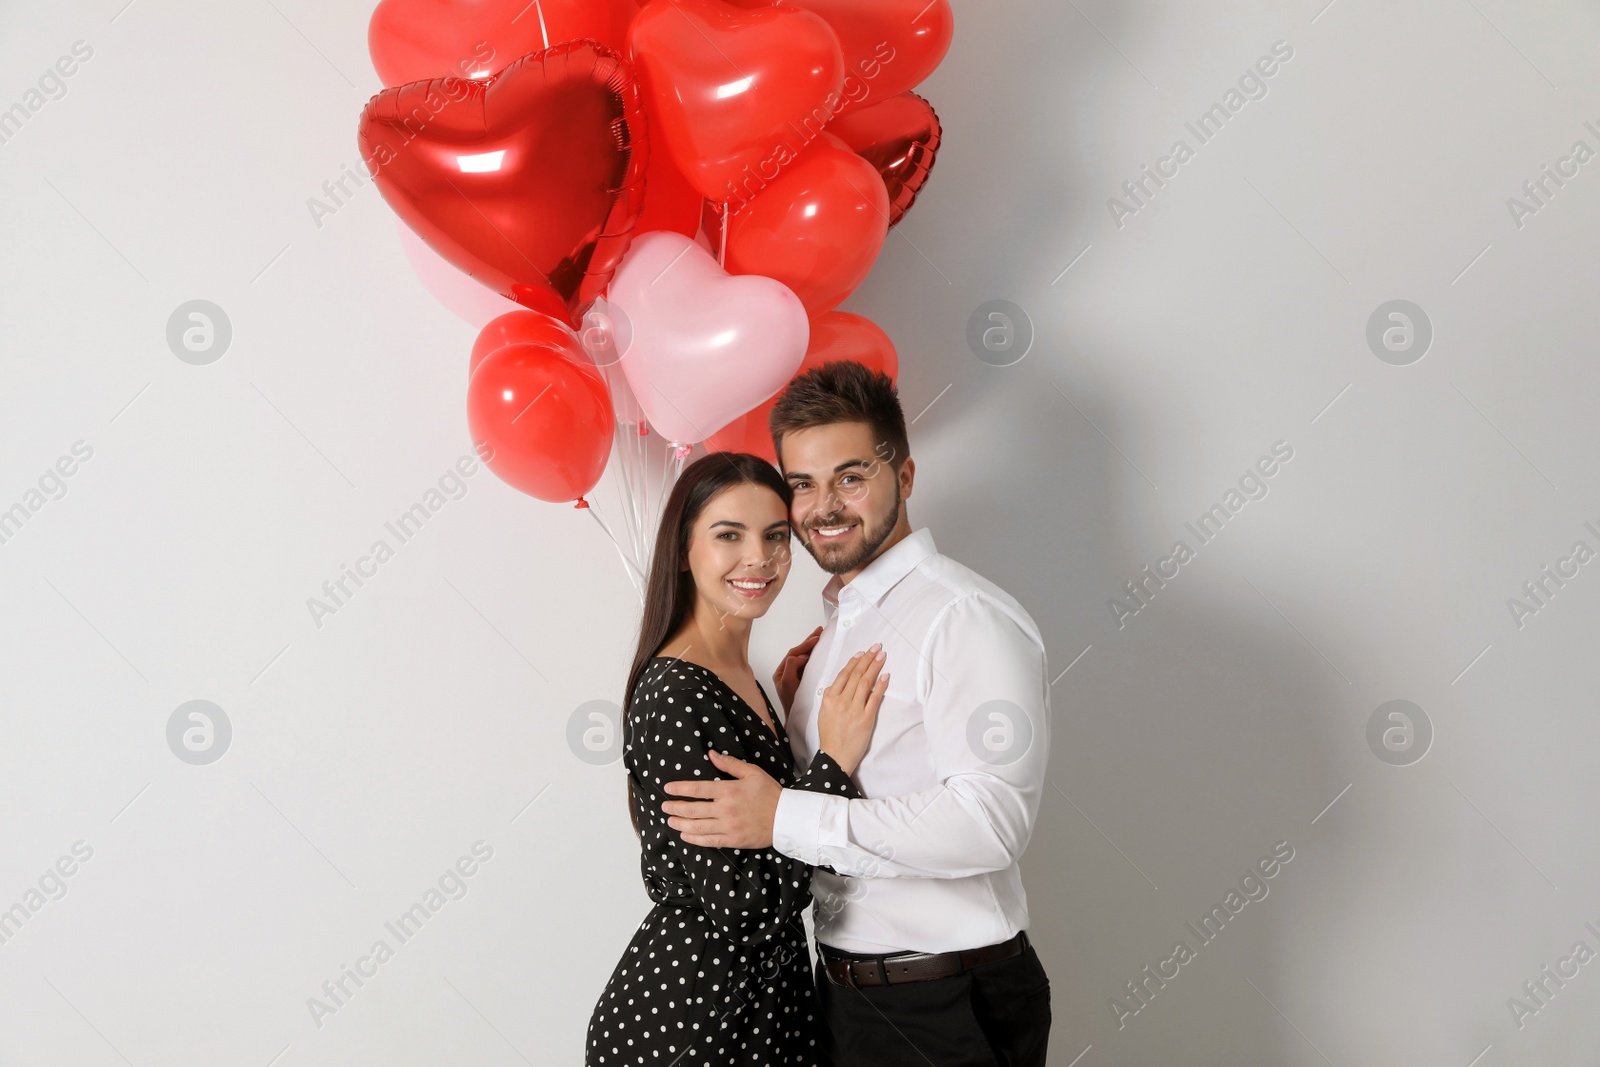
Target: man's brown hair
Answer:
pixel 844 391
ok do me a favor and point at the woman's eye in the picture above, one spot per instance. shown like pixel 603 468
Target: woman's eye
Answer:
pixel 726 533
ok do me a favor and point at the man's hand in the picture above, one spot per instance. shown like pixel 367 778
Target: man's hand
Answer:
pixel 724 814
pixel 786 679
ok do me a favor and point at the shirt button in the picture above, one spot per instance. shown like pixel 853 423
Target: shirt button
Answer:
pixel 819 690
pixel 845 623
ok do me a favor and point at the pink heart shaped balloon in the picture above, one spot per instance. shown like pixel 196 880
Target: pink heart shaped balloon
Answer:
pixel 705 346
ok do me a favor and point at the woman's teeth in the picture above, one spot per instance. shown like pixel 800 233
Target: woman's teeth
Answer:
pixel 749 585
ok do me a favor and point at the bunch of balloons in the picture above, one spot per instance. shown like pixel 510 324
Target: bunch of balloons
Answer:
pixel 676 195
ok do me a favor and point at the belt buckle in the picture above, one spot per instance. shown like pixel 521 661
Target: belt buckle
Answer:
pixel 849 967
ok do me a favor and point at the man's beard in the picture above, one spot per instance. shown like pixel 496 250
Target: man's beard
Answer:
pixel 870 542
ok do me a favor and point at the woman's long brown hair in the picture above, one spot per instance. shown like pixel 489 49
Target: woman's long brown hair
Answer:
pixel 669 587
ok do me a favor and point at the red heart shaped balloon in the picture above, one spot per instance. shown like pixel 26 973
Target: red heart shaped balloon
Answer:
pixel 899 136
pixel 529 180
pixel 889 46
pixel 411 40
pixel 735 92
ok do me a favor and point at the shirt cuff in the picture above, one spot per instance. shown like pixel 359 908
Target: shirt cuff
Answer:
pixel 803 822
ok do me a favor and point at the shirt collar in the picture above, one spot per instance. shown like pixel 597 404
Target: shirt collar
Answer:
pixel 884 572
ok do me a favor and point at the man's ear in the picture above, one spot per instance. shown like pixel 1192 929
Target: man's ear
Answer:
pixel 908 474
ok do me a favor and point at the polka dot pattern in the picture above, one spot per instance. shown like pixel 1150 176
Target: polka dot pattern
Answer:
pixel 718 973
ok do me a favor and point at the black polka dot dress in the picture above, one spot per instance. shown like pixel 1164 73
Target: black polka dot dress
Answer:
pixel 719 973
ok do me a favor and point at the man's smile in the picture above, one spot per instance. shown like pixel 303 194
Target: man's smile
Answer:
pixel 833 532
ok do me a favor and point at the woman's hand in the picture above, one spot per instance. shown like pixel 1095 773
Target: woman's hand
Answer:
pixel 849 711
pixel 786 679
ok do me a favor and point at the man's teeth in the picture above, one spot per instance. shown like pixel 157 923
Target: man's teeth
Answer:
pixel 833 531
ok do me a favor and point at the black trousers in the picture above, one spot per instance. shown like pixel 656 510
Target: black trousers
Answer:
pixel 995 1015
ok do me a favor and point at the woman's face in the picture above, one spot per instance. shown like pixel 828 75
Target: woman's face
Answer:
pixel 739 550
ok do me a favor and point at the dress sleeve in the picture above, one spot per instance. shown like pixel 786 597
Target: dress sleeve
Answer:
pixel 750 894
pixel 826 776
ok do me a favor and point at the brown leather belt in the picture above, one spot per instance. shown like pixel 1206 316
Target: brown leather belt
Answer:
pixel 859 972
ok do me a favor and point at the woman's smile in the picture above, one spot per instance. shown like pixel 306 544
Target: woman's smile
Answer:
pixel 751 588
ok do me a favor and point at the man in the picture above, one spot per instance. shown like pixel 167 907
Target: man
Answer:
pixel 921 918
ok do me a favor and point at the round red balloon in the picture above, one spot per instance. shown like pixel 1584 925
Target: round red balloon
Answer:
pixel 835 335
pixel 545 419
pixel 411 40
pixel 817 228
pixel 525 327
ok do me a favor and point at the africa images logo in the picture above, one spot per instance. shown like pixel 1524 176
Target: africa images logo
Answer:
pixel 1252 888
pixel 1252 486
pixel 1252 85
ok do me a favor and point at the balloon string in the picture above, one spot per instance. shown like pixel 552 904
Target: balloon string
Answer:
pixel 661 491
pixel 651 512
pixel 625 477
pixel 544 33
pixel 632 568
pixel 643 467
pixel 722 255
pixel 671 467
pixel 641 497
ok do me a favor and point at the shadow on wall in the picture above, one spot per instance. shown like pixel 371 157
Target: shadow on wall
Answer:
pixel 1175 739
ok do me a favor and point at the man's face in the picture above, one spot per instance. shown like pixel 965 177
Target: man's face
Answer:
pixel 846 495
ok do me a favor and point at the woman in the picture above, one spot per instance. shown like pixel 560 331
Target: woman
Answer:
pixel 719 972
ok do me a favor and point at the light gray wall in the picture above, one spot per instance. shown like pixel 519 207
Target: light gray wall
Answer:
pixel 1229 714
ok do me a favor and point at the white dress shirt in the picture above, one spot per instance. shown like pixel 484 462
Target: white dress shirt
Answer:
pixel 928 861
